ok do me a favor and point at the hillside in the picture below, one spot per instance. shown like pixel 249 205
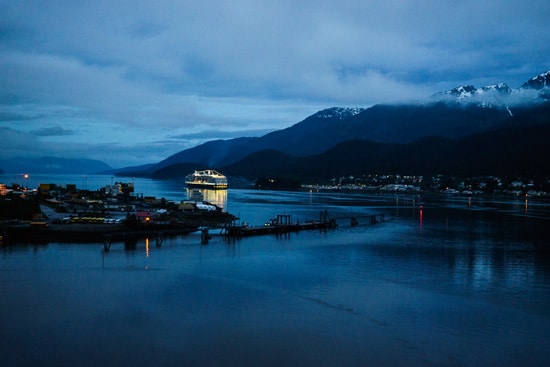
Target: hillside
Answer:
pixel 507 151
pixel 323 130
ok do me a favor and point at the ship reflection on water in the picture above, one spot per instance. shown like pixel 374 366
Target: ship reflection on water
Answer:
pixel 216 197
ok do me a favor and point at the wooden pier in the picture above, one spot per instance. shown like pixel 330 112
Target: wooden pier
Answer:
pixel 280 224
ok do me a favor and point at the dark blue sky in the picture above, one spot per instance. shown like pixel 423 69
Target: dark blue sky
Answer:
pixel 132 82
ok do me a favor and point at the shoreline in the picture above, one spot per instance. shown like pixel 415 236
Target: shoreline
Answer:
pixel 37 232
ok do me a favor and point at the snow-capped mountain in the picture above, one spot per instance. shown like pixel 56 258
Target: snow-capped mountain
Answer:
pixel 536 89
pixel 339 112
pixel 538 82
pixel 538 85
pixel 469 91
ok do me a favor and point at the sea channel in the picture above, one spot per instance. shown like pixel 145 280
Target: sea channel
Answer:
pixel 442 281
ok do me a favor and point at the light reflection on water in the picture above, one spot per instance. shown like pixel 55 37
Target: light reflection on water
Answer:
pixel 466 283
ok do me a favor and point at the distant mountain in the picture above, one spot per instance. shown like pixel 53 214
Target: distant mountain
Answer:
pixel 323 130
pixel 295 140
pixel 506 151
pixel 176 171
pixel 452 115
pixel 267 163
pixel 54 165
pixel 137 171
pixel 209 154
pixel 319 132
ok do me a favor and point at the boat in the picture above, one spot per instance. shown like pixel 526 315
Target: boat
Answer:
pixel 206 179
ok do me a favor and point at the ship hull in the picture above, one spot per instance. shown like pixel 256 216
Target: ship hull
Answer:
pixel 211 186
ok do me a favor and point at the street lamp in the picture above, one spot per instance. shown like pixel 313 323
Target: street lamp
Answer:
pixel 25 176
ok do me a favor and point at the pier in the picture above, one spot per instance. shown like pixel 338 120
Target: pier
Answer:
pixel 280 224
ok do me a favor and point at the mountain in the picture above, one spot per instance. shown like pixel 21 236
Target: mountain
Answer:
pixel 535 90
pixel 176 171
pixel 455 114
pixel 319 132
pixel 293 140
pixel 54 165
pixel 508 151
pixel 137 171
pixel 538 82
pixel 209 154
pixel 491 95
pixel 323 130
pixel 267 163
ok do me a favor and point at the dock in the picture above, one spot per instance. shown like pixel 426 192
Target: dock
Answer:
pixel 281 224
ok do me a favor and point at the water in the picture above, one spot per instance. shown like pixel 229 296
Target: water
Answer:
pixel 462 282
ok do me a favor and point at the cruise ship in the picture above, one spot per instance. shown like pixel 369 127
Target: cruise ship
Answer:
pixel 207 179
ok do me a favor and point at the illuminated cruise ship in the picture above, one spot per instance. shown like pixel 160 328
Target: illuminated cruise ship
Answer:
pixel 207 179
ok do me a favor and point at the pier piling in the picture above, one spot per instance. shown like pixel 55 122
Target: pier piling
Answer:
pixel 205 236
pixel 107 243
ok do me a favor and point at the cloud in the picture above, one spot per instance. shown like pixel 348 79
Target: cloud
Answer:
pixel 53 131
pixel 18 144
pixel 215 134
pixel 128 74
pixel 8 116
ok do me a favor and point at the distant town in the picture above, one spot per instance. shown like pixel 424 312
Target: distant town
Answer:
pixel 483 185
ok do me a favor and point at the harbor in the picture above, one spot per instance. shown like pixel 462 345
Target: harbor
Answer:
pixel 112 212
pixel 115 212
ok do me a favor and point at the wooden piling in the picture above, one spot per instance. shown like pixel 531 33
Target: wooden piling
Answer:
pixel 107 243
pixel 205 236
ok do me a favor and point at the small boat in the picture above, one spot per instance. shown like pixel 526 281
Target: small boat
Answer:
pixel 207 179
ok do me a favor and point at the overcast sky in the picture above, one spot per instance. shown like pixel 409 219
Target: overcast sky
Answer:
pixel 132 82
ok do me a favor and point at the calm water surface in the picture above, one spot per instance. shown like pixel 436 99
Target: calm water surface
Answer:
pixel 464 282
